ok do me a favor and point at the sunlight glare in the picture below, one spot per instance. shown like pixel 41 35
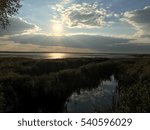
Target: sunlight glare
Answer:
pixel 57 29
pixel 56 55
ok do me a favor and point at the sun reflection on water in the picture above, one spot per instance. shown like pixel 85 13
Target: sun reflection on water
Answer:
pixel 56 55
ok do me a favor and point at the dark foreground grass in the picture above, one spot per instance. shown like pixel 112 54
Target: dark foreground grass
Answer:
pixel 28 85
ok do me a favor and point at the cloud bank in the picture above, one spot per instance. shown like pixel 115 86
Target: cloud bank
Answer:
pixel 76 43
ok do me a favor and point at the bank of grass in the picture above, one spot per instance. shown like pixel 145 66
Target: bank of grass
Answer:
pixel 134 85
pixel 28 85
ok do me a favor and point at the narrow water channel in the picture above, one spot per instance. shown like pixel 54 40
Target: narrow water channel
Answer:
pixel 98 99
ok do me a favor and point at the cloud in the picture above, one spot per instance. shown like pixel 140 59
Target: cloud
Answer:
pixel 74 43
pixel 8 45
pixel 65 1
pixel 18 26
pixel 139 19
pixel 132 48
pixel 80 15
pixel 93 42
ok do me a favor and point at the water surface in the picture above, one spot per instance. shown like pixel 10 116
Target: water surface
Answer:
pixel 35 55
pixel 100 99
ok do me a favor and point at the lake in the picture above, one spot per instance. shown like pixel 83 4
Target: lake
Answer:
pixel 39 55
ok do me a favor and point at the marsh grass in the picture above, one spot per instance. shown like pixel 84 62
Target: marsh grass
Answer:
pixel 28 85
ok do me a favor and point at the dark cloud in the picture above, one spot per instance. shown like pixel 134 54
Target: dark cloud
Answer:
pixel 17 26
pixel 140 19
pixel 132 48
pixel 141 16
pixel 145 36
pixel 78 41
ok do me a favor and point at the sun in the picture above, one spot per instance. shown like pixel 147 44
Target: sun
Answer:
pixel 58 29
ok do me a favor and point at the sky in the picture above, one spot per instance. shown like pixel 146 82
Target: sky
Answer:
pixel 79 26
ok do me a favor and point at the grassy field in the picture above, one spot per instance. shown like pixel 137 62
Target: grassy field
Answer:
pixel 29 85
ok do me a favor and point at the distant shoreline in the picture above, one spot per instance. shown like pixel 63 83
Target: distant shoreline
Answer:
pixel 68 55
pixel 78 52
pixel 37 55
